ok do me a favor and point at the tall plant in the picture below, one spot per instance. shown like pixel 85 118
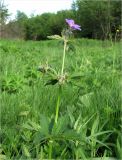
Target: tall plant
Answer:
pixel 61 78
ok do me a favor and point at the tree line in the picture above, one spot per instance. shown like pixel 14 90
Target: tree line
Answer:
pixel 98 19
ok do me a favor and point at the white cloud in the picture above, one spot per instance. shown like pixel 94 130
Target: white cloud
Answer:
pixel 37 6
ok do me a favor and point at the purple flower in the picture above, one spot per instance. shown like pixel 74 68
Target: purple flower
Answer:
pixel 72 24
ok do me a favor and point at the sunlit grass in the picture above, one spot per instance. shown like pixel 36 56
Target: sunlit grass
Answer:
pixel 94 95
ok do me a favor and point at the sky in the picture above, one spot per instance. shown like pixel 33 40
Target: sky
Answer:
pixel 36 6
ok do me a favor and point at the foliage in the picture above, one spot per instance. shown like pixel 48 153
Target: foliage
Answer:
pixel 89 118
pixel 3 13
pixel 99 19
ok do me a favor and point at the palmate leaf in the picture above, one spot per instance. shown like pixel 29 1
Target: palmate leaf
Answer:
pixel 55 37
pixel 31 126
pixel 61 125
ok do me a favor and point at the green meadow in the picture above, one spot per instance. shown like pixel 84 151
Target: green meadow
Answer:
pixel 89 122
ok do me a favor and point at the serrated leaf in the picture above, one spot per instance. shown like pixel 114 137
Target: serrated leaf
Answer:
pixel 27 126
pixel 60 126
pixel 31 126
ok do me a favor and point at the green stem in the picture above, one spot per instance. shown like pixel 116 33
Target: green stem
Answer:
pixel 57 105
pixel 62 70
pixel 64 53
pixel 77 155
pixel 50 149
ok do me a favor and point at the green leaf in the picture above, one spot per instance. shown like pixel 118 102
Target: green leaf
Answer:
pixel 55 37
pixel 101 133
pixel 3 157
pixel 44 124
pixel 51 82
pixel 77 121
pixel 101 143
pixel 30 125
pixel 24 113
pixel 26 151
pixel 70 113
pixel 71 135
pixel 61 125
pixel 71 47
pixel 27 126
pixel 76 77
pixel 119 148
pixel 85 123
pixel 95 126
pixel 86 99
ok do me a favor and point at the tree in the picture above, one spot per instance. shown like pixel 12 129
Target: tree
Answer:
pixel 20 22
pixel 3 13
pixel 3 17
pixel 41 26
pixel 21 16
pixel 97 17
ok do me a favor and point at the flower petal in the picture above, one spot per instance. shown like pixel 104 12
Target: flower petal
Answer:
pixel 76 27
pixel 70 22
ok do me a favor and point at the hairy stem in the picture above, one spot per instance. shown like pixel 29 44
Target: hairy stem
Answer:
pixel 64 53
pixel 58 104
pixel 62 71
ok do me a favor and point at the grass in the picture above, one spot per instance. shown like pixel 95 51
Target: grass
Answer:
pixel 89 123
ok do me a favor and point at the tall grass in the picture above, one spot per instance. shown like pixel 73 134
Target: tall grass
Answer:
pixel 90 109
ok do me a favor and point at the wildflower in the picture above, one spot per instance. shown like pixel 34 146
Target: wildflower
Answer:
pixel 72 24
pixel 117 30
